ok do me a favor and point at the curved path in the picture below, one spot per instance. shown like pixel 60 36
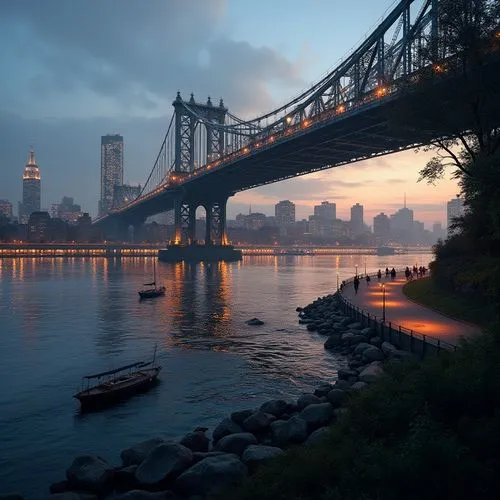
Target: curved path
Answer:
pixel 402 311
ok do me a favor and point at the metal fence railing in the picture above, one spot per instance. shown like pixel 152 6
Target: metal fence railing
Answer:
pixel 414 342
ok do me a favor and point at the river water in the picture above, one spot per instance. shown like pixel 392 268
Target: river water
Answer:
pixel 61 319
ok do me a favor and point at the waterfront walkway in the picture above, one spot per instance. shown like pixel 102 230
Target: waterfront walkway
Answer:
pixel 399 310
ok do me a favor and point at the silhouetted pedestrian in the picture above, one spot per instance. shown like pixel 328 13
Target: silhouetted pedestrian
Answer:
pixel 368 279
pixel 386 272
pixel 379 274
pixel 393 274
pixel 356 285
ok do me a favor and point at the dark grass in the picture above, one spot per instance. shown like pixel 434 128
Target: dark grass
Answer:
pixel 471 309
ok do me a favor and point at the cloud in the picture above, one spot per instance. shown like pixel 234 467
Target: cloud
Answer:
pixel 138 53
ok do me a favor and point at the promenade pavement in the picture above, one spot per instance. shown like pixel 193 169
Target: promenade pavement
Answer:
pixel 399 310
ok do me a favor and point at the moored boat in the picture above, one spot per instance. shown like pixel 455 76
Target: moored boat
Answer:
pixel 153 290
pixel 116 385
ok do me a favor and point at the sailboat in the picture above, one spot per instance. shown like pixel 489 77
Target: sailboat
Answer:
pixel 153 290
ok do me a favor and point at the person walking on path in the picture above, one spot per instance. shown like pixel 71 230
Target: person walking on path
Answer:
pixel 356 285
pixel 379 274
pixel 368 279
pixel 386 272
pixel 393 274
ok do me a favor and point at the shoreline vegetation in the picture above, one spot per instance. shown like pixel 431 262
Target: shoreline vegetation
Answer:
pixel 469 309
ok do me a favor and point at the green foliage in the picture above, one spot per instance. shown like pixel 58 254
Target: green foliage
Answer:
pixel 429 430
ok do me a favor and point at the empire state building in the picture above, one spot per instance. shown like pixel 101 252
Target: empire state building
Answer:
pixel 31 189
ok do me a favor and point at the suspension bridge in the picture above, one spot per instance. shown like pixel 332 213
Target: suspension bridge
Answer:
pixel 354 113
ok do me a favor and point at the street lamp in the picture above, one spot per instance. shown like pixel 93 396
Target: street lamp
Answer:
pixel 356 270
pixel 365 267
pixel 383 302
pixel 337 282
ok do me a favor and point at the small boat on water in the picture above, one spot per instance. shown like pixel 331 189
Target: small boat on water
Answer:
pixel 386 251
pixel 116 385
pixel 153 290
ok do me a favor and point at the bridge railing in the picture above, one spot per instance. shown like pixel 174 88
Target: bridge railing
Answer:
pixel 419 344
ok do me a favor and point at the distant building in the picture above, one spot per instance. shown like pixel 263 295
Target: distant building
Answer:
pixel 84 228
pixel 402 220
pixel 6 208
pixel 381 226
pixel 357 220
pixel 111 170
pixel 67 210
pixel 326 210
pixel 254 221
pixel 39 227
pixel 123 194
pixel 31 189
pixel 284 212
pixel 438 231
pixel 454 208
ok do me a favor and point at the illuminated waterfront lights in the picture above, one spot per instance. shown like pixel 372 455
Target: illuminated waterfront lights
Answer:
pixel 246 150
pixel 306 123
pixel 381 91
pixel 341 108
pixel 289 119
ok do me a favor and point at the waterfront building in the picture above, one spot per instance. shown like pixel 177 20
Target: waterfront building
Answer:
pixel 381 226
pixel 284 212
pixel 125 193
pixel 39 227
pixel 454 209
pixel 31 189
pixel 84 228
pixel 111 170
pixel 6 209
pixel 357 220
pixel 326 210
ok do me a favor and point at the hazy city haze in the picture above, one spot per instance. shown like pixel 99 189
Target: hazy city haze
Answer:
pixel 79 70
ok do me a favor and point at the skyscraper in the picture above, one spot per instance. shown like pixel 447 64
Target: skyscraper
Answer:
pixel 381 226
pixel 357 222
pixel 285 213
pixel 111 170
pixel 31 189
pixel 454 208
pixel 326 210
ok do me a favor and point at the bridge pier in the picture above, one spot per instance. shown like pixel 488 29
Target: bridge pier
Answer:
pixel 216 245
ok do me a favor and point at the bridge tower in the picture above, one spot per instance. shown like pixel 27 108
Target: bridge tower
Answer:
pixel 193 148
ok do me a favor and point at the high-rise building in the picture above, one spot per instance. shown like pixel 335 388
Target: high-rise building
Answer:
pixel 381 226
pixel 454 208
pixel 39 227
pixel 6 208
pixel 67 210
pixel 111 170
pixel 284 212
pixel 357 221
pixel 326 210
pixel 31 189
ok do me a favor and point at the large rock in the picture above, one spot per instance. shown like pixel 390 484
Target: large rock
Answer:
pixel 388 348
pixel 165 462
pixel 198 455
pixel 373 354
pixel 124 478
pixel 211 475
pixel 225 427
pixel 196 441
pixel 258 422
pixel 317 415
pixel 336 397
pixel 241 415
pixel 236 443
pixel 362 347
pixel 274 407
pixel 332 342
pixel 255 322
pixel 357 386
pixel 323 390
pixel 293 430
pixel 317 436
pixel 371 373
pixel 90 473
pixel 344 374
pixel 254 455
pixel 138 453
pixel 306 400
pixel 66 495
pixel 147 495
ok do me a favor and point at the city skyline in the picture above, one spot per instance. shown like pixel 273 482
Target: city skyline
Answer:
pixel 63 113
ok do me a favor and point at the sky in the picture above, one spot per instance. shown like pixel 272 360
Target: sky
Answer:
pixel 75 70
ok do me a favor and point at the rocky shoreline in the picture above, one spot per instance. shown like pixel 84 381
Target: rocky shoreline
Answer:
pixel 198 466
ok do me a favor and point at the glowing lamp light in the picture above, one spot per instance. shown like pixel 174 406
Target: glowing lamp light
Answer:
pixel 381 91
pixel 288 119
pixel 246 150
pixel 341 108
pixel 306 123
